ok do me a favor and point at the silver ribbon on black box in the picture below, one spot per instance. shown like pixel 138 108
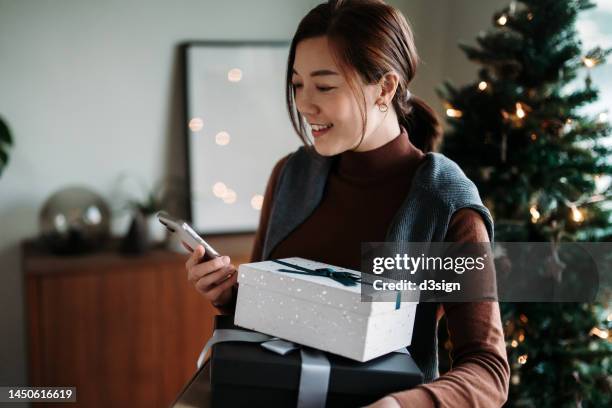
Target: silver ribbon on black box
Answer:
pixel 315 368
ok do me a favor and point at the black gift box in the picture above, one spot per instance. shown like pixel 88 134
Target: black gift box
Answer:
pixel 246 374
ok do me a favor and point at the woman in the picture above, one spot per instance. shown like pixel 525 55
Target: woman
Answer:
pixel 370 177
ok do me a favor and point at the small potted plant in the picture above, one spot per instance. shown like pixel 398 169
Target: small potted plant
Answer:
pixel 145 230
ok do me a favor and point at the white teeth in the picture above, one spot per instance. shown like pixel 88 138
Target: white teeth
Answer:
pixel 320 127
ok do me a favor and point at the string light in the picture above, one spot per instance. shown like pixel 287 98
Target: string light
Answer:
pixel 502 20
pixel 516 380
pixel 483 85
pixel 522 359
pixel 516 118
pixel 530 16
pixel 234 75
pixel 219 189
pixel 576 214
pixel 589 62
pixel 520 112
pixel 521 338
pixel 453 113
pixel 596 331
pixel 603 117
pixel 196 124
pixel 534 136
pixel 535 214
pixel 230 196
pixel 222 138
pixel 523 319
pixel 514 344
pixel 257 201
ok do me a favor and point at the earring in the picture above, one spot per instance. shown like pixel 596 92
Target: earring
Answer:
pixel 383 107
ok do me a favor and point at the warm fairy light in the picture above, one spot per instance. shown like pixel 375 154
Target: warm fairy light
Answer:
pixel 482 85
pixel 502 20
pixel 523 318
pixel 222 138
pixel 589 62
pixel 257 201
pixel 219 189
pixel 530 16
pixel 514 344
pixel 535 214
pixel 576 214
pixel 453 113
pixel 196 124
pixel 602 334
pixel 603 117
pixel 534 136
pixel 520 112
pixel 230 196
pixel 521 338
pixel 234 75
pixel 516 380
pixel 522 359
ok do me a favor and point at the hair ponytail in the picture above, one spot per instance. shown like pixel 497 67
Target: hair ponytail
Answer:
pixel 420 121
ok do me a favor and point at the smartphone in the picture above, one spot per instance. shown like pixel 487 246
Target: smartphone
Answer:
pixel 187 234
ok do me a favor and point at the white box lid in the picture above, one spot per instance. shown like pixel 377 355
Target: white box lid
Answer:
pixel 317 289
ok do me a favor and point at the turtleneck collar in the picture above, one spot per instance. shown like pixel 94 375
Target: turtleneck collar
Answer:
pixel 396 157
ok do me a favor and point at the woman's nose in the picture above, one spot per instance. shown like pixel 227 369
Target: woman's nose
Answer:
pixel 305 105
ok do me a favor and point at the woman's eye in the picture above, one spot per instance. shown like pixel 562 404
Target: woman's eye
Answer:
pixel 325 88
pixel 297 85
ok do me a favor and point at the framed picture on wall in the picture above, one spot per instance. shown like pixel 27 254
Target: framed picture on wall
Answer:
pixel 237 128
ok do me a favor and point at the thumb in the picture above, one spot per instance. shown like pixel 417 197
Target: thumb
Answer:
pixel 199 252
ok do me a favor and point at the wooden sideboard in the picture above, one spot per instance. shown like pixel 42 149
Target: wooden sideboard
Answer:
pixel 125 330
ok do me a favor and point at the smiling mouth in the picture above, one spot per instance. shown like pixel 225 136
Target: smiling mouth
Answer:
pixel 320 129
pixel 317 127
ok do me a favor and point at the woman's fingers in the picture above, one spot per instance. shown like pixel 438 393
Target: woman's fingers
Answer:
pixel 198 271
pixel 195 257
pixel 213 292
pixel 214 278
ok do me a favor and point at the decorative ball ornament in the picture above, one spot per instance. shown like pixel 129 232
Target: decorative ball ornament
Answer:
pixel 74 220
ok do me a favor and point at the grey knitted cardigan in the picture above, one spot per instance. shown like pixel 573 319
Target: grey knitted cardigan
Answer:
pixel 439 188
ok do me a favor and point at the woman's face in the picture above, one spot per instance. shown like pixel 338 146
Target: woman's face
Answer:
pixel 326 102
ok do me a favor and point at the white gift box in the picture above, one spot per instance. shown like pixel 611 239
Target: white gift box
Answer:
pixel 319 312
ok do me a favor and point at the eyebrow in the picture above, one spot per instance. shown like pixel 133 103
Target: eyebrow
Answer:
pixel 321 72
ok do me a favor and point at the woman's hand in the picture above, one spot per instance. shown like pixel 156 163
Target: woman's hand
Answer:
pixel 214 278
pixel 386 402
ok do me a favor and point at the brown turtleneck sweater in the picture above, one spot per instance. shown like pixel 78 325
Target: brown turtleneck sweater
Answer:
pixel 364 191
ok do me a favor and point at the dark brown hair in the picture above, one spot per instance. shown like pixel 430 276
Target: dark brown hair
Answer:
pixel 368 38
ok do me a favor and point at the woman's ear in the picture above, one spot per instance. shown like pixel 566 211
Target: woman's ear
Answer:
pixel 388 86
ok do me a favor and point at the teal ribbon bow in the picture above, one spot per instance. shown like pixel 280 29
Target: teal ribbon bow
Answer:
pixel 345 278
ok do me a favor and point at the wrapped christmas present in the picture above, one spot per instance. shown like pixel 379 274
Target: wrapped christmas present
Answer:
pixel 255 370
pixel 321 306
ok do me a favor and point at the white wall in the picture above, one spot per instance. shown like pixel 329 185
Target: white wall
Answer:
pixel 90 89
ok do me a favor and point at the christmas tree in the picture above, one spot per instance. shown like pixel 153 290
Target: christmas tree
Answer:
pixel 542 167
